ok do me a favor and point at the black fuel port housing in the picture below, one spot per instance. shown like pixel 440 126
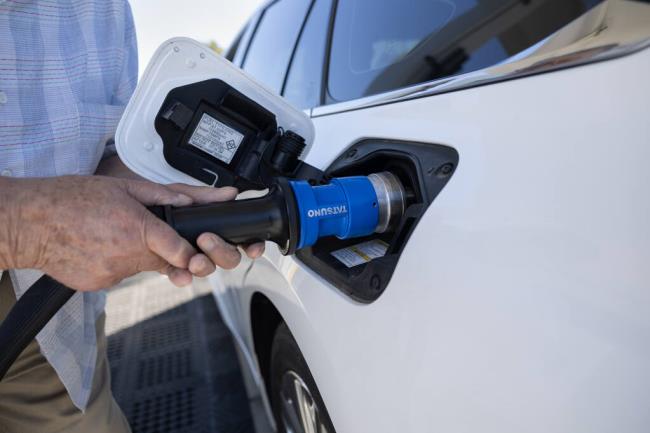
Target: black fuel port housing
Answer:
pixel 216 134
pixel 423 169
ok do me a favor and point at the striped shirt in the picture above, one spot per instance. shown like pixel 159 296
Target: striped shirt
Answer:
pixel 67 70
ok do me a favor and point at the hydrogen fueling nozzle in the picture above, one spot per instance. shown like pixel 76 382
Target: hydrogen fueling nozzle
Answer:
pixel 217 126
pixel 295 214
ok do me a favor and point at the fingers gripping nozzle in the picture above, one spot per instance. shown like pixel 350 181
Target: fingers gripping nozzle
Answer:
pixel 295 214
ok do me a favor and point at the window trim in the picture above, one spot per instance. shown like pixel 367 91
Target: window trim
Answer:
pixel 295 42
pixel 251 26
pixel 325 97
pixel 234 47
pixel 260 17
pixel 295 46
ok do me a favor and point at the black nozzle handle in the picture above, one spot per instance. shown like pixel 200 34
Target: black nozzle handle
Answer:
pixel 265 218
pixel 28 316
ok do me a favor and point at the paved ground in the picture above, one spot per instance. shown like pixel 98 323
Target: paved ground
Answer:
pixel 174 366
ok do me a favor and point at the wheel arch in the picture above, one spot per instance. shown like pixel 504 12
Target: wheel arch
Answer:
pixel 265 319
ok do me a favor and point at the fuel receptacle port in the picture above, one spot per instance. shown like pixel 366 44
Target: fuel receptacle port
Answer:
pixel 402 177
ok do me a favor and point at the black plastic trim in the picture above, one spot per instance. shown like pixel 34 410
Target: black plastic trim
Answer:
pixel 325 96
pixel 260 17
pixel 295 47
pixel 264 153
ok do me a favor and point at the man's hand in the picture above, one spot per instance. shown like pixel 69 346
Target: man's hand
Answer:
pixel 217 252
pixel 90 232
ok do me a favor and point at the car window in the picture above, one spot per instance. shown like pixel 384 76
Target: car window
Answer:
pixel 375 49
pixel 304 80
pixel 269 53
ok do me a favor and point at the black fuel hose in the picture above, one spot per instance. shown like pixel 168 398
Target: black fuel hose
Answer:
pixel 28 316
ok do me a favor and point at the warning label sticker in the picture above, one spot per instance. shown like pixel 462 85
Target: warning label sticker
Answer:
pixel 361 253
pixel 216 138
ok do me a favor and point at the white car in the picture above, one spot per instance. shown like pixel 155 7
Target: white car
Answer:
pixel 515 295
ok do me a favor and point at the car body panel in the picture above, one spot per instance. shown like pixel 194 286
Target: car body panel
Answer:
pixel 520 302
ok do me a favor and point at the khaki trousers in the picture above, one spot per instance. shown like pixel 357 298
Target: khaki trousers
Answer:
pixel 33 399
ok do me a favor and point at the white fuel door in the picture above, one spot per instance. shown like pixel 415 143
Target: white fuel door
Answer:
pixel 197 119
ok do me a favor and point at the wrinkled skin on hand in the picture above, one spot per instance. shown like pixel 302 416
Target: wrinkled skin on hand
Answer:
pixel 90 232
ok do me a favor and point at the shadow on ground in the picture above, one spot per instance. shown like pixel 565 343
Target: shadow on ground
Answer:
pixel 175 370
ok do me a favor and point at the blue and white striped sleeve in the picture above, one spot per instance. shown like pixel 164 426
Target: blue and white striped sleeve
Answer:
pixel 127 77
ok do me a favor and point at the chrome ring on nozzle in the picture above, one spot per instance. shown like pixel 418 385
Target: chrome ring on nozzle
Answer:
pixel 391 199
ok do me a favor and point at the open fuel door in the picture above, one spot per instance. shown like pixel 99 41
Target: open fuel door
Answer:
pixel 197 119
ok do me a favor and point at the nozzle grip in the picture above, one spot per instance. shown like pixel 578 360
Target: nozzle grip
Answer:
pixel 237 222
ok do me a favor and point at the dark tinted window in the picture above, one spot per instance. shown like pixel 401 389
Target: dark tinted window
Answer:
pixel 269 52
pixel 304 82
pixel 403 42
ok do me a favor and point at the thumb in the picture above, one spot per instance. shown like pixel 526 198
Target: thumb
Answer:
pixel 149 193
pixel 163 241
